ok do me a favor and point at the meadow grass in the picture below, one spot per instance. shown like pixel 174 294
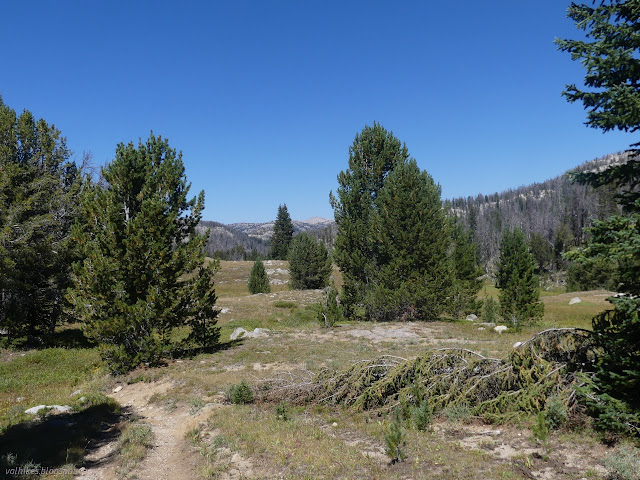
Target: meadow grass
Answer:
pixel 305 446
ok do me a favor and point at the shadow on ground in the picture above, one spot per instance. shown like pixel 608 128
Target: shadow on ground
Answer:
pixel 59 440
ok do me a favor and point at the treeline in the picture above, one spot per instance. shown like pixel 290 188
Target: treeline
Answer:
pixel 553 215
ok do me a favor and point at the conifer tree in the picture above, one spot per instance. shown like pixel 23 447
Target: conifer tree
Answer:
pixel 309 264
pixel 410 230
pixel 258 279
pixel 466 272
pixel 144 273
pixel 282 234
pixel 374 153
pixel 519 295
pixel 39 189
pixel 611 96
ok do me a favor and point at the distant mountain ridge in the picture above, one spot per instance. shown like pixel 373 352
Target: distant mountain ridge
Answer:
pixel 264 231
pixel 555 211
pixel 244 240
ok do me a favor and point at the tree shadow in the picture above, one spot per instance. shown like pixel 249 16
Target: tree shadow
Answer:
pixel 59 440
pixel 191 352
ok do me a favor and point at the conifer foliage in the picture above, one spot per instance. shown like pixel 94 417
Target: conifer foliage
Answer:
pixel 394 244
pixel 282 234
pixel 309 264
pixel 412 277
pixel 39 189
pixel 144 273
pixel 612 99
pixel 258 279
pixel 519 295
pixel 374 153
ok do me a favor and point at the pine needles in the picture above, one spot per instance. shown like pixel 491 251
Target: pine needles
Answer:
pixel 496 390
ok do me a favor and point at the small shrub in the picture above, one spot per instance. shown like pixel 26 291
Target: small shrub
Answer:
pixel 240 393
pixel 539 429
pixel 457 413
pixel 395 441
pixel 556 414
pixel 490 310
pixel 623 463
pixel 258 279
pixel 282 412
pixel 331 311
pixel 283 304
pixel 422 415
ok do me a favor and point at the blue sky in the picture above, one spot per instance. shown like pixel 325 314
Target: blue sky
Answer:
pixel 264 98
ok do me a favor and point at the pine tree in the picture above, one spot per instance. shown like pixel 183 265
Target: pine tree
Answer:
pixel 612 99
pixel 410 230
pixel 258 279
pixel 282 234
pixel 39 189
pixel 144 273
pixel 466 272
pixel 309 265
pixel 374 153
pixel 519 295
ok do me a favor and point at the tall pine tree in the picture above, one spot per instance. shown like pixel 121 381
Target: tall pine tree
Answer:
pixel 466 273
pixel 519 295
pixel 39 189
pixel 611 96
pixel 144 273
pixel 411 234
pixel 282 234
pixel 374 153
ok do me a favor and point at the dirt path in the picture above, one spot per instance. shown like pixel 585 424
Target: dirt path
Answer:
pixel 171 457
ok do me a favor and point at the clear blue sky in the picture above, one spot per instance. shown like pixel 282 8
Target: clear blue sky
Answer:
pixel 264 98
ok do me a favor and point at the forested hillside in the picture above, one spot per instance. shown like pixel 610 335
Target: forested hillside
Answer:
pixel 552 214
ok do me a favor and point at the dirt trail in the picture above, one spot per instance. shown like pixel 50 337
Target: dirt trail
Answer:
pixel 171 457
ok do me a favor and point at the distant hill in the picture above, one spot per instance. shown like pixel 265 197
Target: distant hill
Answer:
pixel 552 214
pixel 247 241
pixel 264 231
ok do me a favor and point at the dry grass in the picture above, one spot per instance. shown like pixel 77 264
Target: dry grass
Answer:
pixel 308 445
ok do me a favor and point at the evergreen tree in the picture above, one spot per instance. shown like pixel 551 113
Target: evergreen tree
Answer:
pixel 519 295
pixel 258 279
pixel 39 189
pixel 309 265
pixel 467 273
pixel 144 273
pixel 411 234
pixel 612 101
pixel 282 234
pixel 374 153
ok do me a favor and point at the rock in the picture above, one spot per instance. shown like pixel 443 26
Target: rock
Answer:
pixel 57 408
pixel 500 328
pixel 334 424
pixel 487 324
pixel 242 333
pixel 225 310
pixel 117 389
pixel 77 392
pixel 481 328
pixel 517 344
pixel 259 332
pixel 574 300
pixel 82 399
pixel 19 399
pixel 237 333
pixel 472 318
